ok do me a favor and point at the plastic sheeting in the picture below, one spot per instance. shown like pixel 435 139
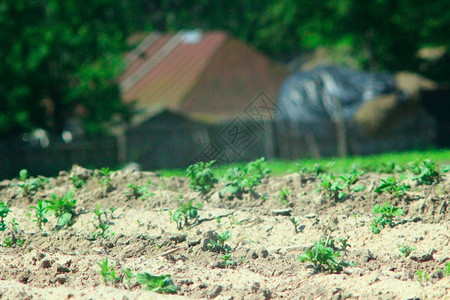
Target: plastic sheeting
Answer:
pixel 330 92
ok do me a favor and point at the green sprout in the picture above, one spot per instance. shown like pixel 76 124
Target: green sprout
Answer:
pixel 63 208
pixel 295 223
pixel 389 167
pixel 139 191
pixel 219 244
pixel 227 261
pixel 319 169
pixel 77 181
pixel 427 172
pixel 350 179
pixel 186 211
pixel 447 269
pixel 344 243
pixel 284 196
pixel 201 176
pixel 245 180
pixel 324 257
pixel 101 225
pixel 40 212
pixel 406 250
pixel 333 188
pixel 107 271
pixel 162 284
pixel 127 277
pixel 106 181
pixel 393 186
pixel 30 185
pixel 14 232
pixel 7 242
pixel 387 215
pixel 422 276
pixel 4 211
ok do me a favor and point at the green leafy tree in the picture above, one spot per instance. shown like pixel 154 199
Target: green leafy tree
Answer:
pixel 60 57
pixel 380 34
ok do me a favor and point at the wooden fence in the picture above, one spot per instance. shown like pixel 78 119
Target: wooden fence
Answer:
pixel 168 146
pixel 58 156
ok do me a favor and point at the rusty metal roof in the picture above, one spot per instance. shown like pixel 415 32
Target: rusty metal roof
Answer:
pixel 166 70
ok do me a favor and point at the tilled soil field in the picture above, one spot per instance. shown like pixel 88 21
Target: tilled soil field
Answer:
pixel 264 245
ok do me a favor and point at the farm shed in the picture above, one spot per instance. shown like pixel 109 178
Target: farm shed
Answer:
pixel 187 88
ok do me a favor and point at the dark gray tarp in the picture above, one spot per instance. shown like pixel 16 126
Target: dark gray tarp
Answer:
pixel 330 92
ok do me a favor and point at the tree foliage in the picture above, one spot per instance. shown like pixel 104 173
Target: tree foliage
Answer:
pixel 58 57
pixel 384 34
pixel 62 57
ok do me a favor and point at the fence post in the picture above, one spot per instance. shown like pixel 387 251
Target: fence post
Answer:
pixel 268 140
pixel 121 141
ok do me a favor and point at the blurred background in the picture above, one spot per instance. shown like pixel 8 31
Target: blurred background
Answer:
pixel 165 83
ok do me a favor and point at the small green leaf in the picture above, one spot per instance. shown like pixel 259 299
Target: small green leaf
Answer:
pixel 64 219
pixel 358 188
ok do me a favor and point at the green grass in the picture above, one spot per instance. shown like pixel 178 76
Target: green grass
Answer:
pixel 339 165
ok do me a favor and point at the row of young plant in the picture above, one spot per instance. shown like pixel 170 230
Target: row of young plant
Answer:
pixel 241 180
pixel 28 185
pixel 323 255
pixel 63 209
pixel 237 180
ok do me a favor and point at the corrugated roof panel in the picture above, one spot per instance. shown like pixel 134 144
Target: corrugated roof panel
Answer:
pixel 158 44
pixel 172 78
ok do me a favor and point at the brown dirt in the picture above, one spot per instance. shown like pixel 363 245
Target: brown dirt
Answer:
pixel 63 264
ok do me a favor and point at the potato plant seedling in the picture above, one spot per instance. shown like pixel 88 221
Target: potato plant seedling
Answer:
pixel 77 182
pixel 162 284
pixel 105 179
pixel 447 269
pixel 127 277
pixel 63 208
pixel 218 244
pixel 393 186
pixel 332 188
pixel 30 185
pixel 427 172
pixel 422 276
pixel 390 167
pixel 294 221
pixel 227 260
pixel 201 176
pixel 387 213
pixel 344 243
pixel 316 169
pixel 186 212
pixel 40 211
pixel 406 250
pixel 102 229
pixel 4 211
pixel 323 256
pixel 13 238
pixel 337 189
pixel 245 180
pixel 139 191
pixel 284 196
pixel 108 272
